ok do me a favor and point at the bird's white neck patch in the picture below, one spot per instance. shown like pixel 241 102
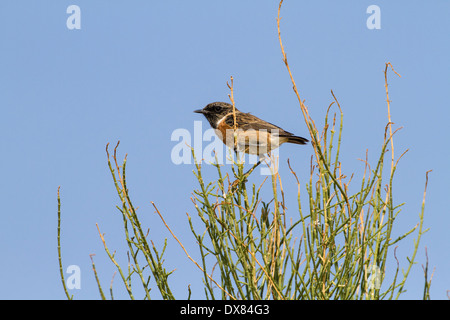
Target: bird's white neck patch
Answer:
pixel 222 119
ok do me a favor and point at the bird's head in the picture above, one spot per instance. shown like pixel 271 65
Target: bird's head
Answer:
pixel 215 111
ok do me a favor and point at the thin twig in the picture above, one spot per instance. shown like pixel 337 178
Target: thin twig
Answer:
pixel 102 295
pixel 389 110
pixel 59 248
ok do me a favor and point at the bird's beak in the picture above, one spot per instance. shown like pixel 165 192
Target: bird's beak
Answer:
pixel 199 111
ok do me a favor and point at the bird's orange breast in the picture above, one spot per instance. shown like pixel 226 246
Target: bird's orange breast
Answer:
pixel 249 141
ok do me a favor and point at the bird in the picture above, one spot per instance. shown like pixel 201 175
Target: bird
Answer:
pixel 252 135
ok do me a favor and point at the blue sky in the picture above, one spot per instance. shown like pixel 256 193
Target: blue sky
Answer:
pixel 136 70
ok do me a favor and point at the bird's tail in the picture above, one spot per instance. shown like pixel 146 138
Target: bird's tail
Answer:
pixel 297 140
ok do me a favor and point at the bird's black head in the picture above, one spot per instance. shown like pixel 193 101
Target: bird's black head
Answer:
pixel 215 111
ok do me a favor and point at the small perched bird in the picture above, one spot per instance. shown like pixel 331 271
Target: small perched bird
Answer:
pixel 253 135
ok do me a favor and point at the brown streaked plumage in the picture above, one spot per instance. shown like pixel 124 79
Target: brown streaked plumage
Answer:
pixel 253 135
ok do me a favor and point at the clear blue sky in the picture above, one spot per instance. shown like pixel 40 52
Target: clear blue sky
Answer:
pixel 136 70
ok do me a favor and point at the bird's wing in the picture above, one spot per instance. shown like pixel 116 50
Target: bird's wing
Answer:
pixel 248 121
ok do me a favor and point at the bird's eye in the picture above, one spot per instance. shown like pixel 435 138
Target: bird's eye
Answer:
pixel 217 109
